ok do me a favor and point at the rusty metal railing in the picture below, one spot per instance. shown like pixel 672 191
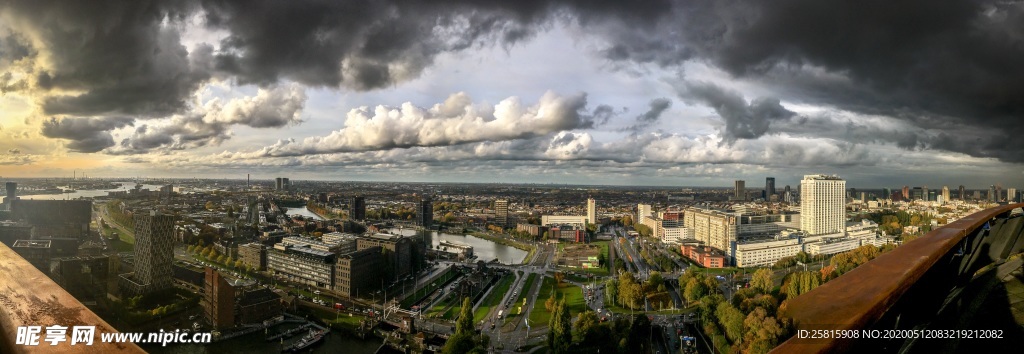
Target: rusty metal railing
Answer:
pixel 861 298
pixel 29 298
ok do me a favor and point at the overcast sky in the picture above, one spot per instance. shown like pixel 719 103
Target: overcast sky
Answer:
pixel 687 93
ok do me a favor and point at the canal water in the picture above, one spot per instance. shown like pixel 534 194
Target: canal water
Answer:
pixel 302 211
pixel 484 250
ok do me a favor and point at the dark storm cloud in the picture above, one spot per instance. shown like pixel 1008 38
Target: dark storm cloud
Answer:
pixel 651 116
pixel 955 60
pixel 939 66
pixel 117 57
pixel 367 45
pixel 85 134
pixel 658 106
pixel 742 120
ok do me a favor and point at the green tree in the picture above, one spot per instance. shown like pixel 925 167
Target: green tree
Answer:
pixel 731 320
pixel 585 325
pixel 464 324
pixel 762 280
pixel 762 331
pixel 694 290
pixel 560 329
pixel 654 280
pixel 630 292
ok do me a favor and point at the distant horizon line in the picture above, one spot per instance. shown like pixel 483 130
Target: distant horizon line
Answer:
pixel 272 180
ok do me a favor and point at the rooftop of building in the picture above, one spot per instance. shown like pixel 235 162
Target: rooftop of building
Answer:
pixel 258 295
pixel 823 177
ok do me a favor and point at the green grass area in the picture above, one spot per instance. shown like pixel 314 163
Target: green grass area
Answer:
pixel 572 294
pixel 493 298
pixel 434 285
pixel 125 223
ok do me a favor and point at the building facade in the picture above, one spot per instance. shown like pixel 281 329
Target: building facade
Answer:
pixel 154 254
pixel 822 204
pixel 357 208
pixel 714 228
pixel 397 249
pixel 501 212
pixel 759 253
pixel 591 211
pixel 302 265
pixel 425 212
pixel 359 273
pixel 253 255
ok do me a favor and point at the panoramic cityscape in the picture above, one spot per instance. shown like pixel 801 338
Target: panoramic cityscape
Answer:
pixel 798 176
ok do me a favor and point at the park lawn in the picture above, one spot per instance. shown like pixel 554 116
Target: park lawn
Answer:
pixel 493 298
pixel 572 294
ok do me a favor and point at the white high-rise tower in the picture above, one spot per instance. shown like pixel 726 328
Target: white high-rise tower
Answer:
pixel 591 211
pixel 822 204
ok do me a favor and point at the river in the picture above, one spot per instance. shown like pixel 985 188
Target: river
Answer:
pixel 485 250
pixel 90 193
pixel 302 211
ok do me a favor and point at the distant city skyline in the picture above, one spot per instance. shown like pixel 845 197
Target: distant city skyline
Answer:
pixel 659 93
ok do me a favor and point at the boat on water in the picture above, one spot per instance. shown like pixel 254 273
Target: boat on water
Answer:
pixel 314 336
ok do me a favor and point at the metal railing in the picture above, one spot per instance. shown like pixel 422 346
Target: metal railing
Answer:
pixel 905 288
pixel 30 298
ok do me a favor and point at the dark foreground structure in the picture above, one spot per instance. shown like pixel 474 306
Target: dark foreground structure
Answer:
pixel 951 291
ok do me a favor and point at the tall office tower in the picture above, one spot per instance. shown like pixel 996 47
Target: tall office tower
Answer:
pixel 863 197
pixel 286 184
pixel 357 208
pixel 932 195
pixel 218 300
pixel 154 252
pixel 991 193
pixel 642 210
pixel 999 192
pixel 12 192
pixel 822 204
pixel 945 194
pixel 906 192
pixel 425 212
pixel 963 192
pixel 769 187
pixel 278 184
pixel 591 211
pixel 918 194
pixel 501 212
pixel 741 190
pixel 886 193
pixel 924 193
pixel 1011 195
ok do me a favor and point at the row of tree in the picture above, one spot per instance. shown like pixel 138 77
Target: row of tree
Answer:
pixel 748 323
pixel 627 292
